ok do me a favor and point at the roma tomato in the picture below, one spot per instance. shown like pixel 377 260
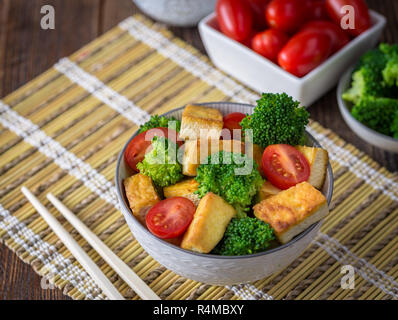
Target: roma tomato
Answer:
pixel 360 10
pixel 232 121
pixel 316 10
pixel 338 37
pixel 169 218
pixel 258 8
pixel 140 145
pixel 269 42
pixel 285 166
pixel 234 18
pixel 286 15
pixel 304 52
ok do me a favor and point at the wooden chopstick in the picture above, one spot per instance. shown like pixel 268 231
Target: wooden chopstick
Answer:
pixel 92 269
pixel 117 264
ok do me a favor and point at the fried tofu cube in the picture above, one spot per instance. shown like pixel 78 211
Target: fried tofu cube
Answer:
pixel 293 210
pixel 196 151
pixel 267 190
pixel 318 159
pixel 141 194
pixel 201 122
pixel 185 188
pixel 209 224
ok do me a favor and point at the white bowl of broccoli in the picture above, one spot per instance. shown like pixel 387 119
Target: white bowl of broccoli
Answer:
pixel 367 96
pixel 213 268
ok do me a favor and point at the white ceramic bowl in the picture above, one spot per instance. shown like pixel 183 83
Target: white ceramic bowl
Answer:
pixel 262 75
pixel 181 13
pixel 369 135
pixel 214 269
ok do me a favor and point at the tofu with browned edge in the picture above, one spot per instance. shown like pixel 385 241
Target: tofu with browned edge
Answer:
pixel 196 151
pixel 267 190
pixel 185 188
pixel 293 210
pixel 141 195
pixel 318 159
pixel 209 224
pixel 201 122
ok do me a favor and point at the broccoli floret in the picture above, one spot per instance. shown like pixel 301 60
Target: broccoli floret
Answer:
pixel 367 79
pixel 233 176
pixel 390 72
pixel 277 118
pixel 245 236
pixel 160 122
pixel 161 163
pixel 376 113
pixel 375 75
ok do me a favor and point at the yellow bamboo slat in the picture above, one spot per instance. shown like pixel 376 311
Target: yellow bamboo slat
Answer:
pixel 363 219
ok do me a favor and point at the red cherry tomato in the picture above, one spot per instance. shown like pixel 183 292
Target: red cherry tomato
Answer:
pixel 234 18
pixel 304 52
pixel 232 120
pixel 169 218
pixel 248 41
pixel 361 21
pixel 258 8
pixel 338 37
pixel 285 166
pixel 286 15
pixel 316 10
pixel 269 42
pixel 140 145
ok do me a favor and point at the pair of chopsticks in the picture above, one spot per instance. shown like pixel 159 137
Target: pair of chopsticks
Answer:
pixel 128 275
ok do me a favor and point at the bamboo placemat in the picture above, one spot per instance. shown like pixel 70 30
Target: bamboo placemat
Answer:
pixel 62 133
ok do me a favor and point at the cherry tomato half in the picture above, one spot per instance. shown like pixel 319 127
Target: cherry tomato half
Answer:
pixel 360 10
pixel 304 52
pixel 269 42
pixel 285 166
pixel 338 37
pixel 169 218
pixel 232 120
pixel 140 145
pixel 234 18
pixel 286 15
pixel 258 8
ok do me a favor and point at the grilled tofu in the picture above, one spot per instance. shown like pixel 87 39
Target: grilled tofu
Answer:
pixel 267 190
pixel 209 224
pixel 318 159
pixel 201 122
pixel 196 151
pixel 141 195
pixel 185 189
pixel 293 210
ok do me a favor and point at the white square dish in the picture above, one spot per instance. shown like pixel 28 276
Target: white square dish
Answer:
pixel 262 75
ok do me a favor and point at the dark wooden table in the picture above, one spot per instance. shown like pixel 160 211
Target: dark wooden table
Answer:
pixel 26 51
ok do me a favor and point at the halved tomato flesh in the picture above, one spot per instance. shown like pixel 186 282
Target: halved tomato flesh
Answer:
pixel 141 144
pixel 170 218
pixel 285 166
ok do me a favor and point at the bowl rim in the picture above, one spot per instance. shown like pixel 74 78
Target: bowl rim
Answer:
pixel 207 255
pixel 344 81
pixel 379 21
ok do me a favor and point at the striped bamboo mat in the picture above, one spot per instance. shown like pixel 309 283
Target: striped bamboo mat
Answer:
pixel 62 133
